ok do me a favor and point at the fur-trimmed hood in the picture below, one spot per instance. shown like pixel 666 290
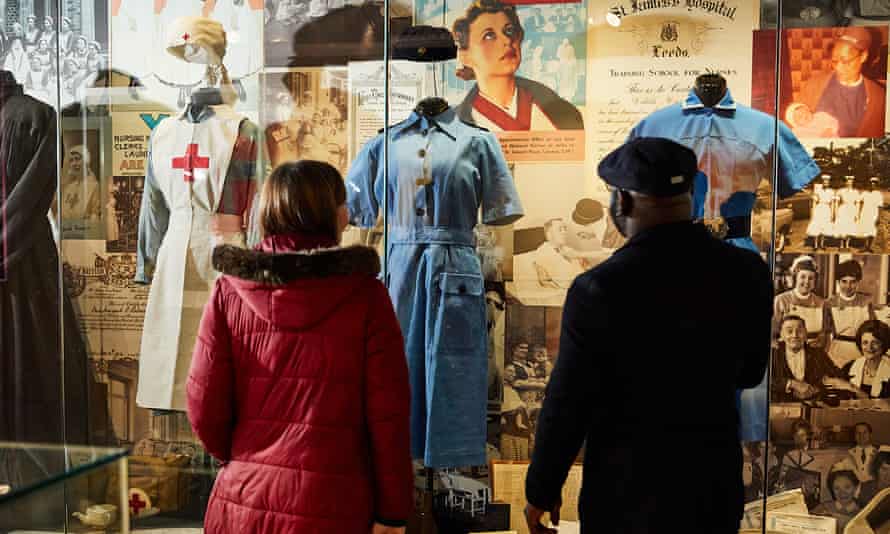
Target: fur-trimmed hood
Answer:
pixel 295 287
pixel 284 267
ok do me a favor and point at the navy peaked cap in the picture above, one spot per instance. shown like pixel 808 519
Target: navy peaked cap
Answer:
pixel 651 166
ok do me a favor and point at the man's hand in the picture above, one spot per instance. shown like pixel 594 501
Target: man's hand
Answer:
pixel 533 517
pixel 383 529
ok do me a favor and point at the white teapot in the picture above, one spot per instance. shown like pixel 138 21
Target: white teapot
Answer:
pixel 99 515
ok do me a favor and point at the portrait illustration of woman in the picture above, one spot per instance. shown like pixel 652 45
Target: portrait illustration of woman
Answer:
pixel 489 39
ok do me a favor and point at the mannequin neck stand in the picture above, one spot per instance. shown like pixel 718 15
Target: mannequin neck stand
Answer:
pixel 432 106
pixel 710 89
pixel 203 97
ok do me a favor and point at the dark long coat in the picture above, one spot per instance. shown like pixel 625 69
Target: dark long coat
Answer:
pixel 33 311
pixel 43 364
pixel 655 341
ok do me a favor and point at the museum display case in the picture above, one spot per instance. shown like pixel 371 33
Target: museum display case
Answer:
pixel 137 135
pixel 57 488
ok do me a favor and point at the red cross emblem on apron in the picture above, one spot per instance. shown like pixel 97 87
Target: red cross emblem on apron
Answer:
pixel 136 504
pixel 191 161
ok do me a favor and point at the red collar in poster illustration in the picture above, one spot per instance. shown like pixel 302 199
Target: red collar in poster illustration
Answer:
pixel 496 114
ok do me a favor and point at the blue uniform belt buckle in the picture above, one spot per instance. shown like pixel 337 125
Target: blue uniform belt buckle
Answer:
pixel 717 226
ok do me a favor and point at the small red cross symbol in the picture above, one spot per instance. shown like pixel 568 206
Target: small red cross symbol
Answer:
pixel 136 504
pixel 185 37
pixel 191 161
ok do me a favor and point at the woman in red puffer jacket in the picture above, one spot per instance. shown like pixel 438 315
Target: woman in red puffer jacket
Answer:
pixel 299 383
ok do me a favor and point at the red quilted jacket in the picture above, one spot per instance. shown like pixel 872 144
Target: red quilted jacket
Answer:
pixel 299 385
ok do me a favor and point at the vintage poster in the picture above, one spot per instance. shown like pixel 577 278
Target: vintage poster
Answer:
pixel 645 57
pixel 520 72
pixel 130 145
pixel 306 113
pixel 368 97
pixel 79 203
pixel 99 270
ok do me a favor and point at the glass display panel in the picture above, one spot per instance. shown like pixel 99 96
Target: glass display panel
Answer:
pixel 827 412
pixel 117 94
pixel 42 484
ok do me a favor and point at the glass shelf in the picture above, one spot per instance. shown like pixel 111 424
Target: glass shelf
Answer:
pixel 55 488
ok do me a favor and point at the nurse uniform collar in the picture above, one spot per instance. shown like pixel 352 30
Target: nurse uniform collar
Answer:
pixel 693 102
pixel 846 298
pixel 442 122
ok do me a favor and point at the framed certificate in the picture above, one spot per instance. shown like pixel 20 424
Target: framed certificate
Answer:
pixel 508 486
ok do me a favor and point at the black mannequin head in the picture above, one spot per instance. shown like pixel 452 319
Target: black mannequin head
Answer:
pixel 710 88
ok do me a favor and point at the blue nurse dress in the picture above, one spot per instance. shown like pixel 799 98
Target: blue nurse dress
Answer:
pixel 734 145
pixel 441 172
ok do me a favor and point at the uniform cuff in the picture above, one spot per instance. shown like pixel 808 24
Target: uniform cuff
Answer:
pixel 798 179
pixel 144 271
pixel 502 216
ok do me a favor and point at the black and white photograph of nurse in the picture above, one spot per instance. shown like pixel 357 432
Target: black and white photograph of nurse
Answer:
pixel 81 193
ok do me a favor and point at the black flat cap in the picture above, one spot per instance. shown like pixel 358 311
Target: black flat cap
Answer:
pixel 425 44
pixel 651 166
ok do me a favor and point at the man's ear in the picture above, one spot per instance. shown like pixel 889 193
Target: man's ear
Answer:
pixel 625 203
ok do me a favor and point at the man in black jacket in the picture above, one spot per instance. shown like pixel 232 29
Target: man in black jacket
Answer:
pixel 655 342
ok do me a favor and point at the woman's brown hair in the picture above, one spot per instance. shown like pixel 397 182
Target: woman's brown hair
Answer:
pixel 302 197
pixel 461 27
